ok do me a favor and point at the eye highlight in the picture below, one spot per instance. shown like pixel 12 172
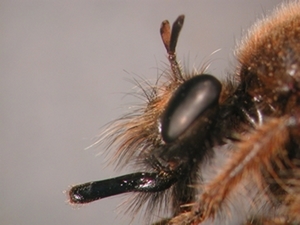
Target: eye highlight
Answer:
pixel 216 152
pixel 189 101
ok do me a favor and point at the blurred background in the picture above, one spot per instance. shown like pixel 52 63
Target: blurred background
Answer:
pixel 64 71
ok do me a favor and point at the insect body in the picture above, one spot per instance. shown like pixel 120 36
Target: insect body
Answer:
pixel 217 152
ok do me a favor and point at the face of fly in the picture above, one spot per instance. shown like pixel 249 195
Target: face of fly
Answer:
pixel 187 113
pixel 216 151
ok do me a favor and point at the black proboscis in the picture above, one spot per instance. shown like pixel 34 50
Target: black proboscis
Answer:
pixel 136 182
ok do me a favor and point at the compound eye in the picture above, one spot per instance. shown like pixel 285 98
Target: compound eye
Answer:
pixel 189 101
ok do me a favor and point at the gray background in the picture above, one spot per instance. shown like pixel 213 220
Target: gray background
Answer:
pixel 64 67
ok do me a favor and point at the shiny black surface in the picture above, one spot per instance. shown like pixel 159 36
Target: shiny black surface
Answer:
pixel 190 100
pixel 136 182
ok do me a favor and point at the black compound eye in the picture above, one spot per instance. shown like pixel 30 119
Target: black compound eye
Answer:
pixel 189 101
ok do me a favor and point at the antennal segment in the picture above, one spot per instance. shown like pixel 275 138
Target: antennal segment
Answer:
pixel 169 38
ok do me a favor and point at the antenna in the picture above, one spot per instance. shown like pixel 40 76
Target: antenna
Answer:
pixel 169 38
